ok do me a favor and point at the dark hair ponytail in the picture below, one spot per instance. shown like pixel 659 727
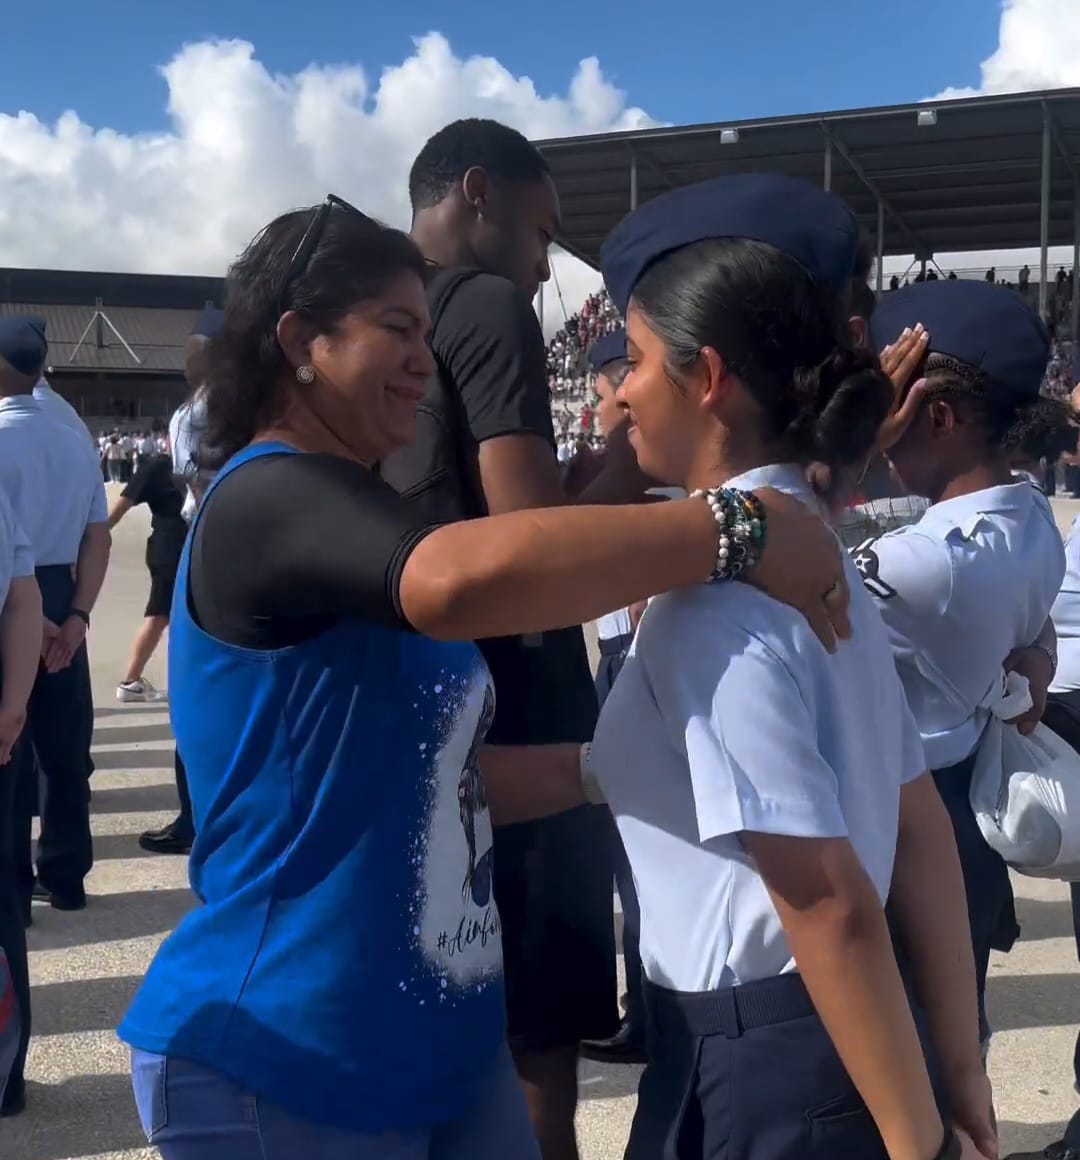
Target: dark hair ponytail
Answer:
pixel 783 335
pixel 1043 429
pixel 844 400
pixel 1029 426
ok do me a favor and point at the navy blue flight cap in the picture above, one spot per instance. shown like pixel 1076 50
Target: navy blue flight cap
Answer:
pixel 22 343
pixel 211 322
pixel 988 327
pixel 811 226
pixel 607 349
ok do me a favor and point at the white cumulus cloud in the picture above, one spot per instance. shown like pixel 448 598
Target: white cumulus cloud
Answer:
pixel 244 144
pixel 1038 48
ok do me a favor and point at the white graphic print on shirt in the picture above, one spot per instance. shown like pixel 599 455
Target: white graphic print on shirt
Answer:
pixel 459 923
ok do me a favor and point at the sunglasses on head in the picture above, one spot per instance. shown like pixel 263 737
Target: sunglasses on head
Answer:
pixel 311 238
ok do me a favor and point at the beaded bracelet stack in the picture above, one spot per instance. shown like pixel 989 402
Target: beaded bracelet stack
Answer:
pixel 740 518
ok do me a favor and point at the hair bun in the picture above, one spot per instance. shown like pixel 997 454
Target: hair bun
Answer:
pixel 842 402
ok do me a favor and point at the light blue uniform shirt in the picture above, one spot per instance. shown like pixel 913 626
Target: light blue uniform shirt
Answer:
pixel 60 409
pixel 959 590
pixel 729 716
pixel 1066 614
pixel 52 478
pixel 16 555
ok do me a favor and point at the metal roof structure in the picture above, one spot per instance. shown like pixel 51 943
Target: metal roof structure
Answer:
pixel 130 324
pixel 939 176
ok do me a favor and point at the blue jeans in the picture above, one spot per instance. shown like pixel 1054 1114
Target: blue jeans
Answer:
pixel 189 1112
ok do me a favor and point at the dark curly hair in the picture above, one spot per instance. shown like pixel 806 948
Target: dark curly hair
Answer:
pixel 781 333
pixel 1023 426
pixel 353 261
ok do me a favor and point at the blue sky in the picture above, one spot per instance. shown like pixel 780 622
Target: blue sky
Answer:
pixel 680 60
pixel 275 102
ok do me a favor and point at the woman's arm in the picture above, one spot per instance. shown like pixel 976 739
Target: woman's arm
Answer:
pixel 528 782
pixel 532 571
pixel 1038 662
pixel 930 914
pixel 118 508
pixel 837 932
pixel 20 652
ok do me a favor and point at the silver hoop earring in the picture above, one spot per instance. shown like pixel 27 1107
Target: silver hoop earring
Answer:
pixel 305 375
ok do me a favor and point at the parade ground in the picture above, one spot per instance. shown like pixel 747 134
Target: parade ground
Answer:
pixel 86 966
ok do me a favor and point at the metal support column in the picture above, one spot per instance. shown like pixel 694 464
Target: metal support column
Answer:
pixel 1074 323
pixel 828 163
pixel 1044 214
pixel 633 180
pixel 880 245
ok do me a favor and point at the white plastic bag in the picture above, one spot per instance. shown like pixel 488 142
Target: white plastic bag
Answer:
pixel 1025 792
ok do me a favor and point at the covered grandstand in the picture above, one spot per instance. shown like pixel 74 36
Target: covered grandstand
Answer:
pixel 116 341
pixel 986 173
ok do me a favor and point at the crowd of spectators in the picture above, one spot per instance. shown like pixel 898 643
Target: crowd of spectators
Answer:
pixel 569 376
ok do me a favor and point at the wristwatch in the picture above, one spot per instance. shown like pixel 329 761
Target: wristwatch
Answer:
pixel 83 616
pixel 951 1149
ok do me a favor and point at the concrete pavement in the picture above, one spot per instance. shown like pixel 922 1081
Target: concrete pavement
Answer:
pixel 86 966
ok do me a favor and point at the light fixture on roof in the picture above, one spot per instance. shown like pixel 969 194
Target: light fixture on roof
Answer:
pixel 729 136
pixel 926 117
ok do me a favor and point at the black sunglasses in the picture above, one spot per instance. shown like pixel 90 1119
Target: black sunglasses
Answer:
pixel 311 238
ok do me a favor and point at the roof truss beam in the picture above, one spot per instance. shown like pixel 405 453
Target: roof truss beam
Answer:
pixel 1059 142
pixel 838 144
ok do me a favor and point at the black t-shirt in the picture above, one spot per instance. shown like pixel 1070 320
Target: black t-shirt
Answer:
pixel 155 485
pixel 331 546
pixel 488 341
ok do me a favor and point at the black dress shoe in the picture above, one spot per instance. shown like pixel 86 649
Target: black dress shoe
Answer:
pixel 60 900
pixel 168 840
pixel 14 1100
pixel 627 1045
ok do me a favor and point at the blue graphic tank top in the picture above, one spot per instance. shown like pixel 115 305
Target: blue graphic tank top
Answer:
pixel 345 961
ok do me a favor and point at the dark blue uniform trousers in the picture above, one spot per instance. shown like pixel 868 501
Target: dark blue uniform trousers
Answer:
pixel 991 908
pixel 612 656
pixel 59 728
pixel 1063 716
pixel 12 931
pixel 746 1074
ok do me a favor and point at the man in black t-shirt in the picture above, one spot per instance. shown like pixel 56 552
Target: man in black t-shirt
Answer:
pixel 485 211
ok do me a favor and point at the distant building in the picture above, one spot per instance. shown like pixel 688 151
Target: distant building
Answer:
pixel 116 341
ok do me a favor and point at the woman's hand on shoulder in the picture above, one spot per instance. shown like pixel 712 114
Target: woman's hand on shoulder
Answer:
pixel 803 566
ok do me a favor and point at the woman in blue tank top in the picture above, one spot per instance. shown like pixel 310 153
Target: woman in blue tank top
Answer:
pixel 338 993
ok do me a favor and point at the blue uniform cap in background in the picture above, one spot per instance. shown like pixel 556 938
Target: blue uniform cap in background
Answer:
pixel 607 349
pixel 22 343
pixel 211 322
pixel 811 226
pixel 988 327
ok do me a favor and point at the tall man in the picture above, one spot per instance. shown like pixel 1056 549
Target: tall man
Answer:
pixel 51 478
pixel 485 212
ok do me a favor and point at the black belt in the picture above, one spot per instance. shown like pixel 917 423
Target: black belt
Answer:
pixel 46 571
pixel 612 646
pixel 728 1012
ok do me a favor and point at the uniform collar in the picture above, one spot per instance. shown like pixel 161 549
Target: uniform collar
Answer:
pixel 966 512
pixel 19 405
pixel 786 477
